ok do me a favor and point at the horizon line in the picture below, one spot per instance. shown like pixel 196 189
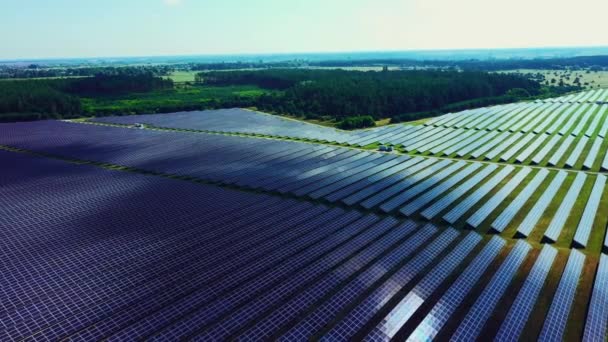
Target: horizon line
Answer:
pixel 268 54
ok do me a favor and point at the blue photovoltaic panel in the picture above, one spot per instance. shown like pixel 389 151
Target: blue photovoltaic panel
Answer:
pixel 387 193
pixel 593 153
pixel 512 138
pixel 475 320
pixel 576 154
pixel 439 315
pixel 517 147
pixel 369 306
pixel 591 210
pixel 331 306
pixel 439 190
pixel 416 164
pixel 563 147
pixel 404 310
pixel 454 195
pixel 597 315
pixel 537 211
pixel 422 187
pixel 465 205
pixel 538 158
pixel 250 312
pixel 557 317
pixel 531 148
pixel 482 213
pixel 563 212
pixel 516 319
pixel 584 121
pixel 595 124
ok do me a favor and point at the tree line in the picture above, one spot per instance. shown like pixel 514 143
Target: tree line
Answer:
pixel 62 98
pixel 341 94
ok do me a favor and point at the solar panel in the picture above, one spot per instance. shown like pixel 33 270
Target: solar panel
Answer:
pixel 573 119
pixel 595 123
pixel 586 223
pixel 482 149
pixel 597 316
pixel 473 145
pixel 381 165
pixel 416 164
pixel 399 165
pixel 454 195
pixel 529 222
pixel 557 317
pixel 543 116
pixel 584 121
pixel 562 214
pixel 503 220
pixel 422 187
pixel 553 113
pixel 202 306
pixel 353 168
pixel 509 115
pixel 529 119
pixel 465 205
pixel 531 148
pixel 482 213
pixel 593 153
pixel 429 196
pixel 468 139
pixel 562 118
pixel 518 315
pixel 428 144
pixel 577 152
pixel 401 186
pixel 604 127
pixel 538 158
pixel 456 140
pixel 477 316
pixel 250 312
pixel 563 147
pixel 515 148
pixel 346 295
pixel 502 146
pixel 407 306
pixel 369 306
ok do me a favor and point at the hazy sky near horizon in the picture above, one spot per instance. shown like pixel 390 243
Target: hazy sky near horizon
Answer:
pixel 99 28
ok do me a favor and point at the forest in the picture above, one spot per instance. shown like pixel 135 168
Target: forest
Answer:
pixel 400 95
pixel 347 98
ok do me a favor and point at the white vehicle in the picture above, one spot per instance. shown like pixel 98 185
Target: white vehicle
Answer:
pixel 139 126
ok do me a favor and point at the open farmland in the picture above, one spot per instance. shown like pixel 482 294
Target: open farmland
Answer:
pixel 488 223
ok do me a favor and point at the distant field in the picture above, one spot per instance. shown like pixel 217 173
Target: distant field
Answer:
pixel 189 96
pixel 182 76
pixel 595 79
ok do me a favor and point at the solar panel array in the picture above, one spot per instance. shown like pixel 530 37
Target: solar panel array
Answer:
pixel 175 249
pixel 518 315
pixel 412 186
pixel 474 321
pixel 507 133
pixel 597 318
pixel 557 317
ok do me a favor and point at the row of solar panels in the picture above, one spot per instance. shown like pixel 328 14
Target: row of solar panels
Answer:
pixel 530 118
pixel 515 141
pixel 251 267
pixel 433 188
pixel 597 95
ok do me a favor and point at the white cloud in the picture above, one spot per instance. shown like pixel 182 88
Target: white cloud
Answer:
pixel 172 2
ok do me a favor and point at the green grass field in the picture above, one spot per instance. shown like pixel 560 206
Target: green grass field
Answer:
pixel 182 76
pixel 595 79
pixel 177 97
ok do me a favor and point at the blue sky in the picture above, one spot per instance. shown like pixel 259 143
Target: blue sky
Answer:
pixel 89 28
